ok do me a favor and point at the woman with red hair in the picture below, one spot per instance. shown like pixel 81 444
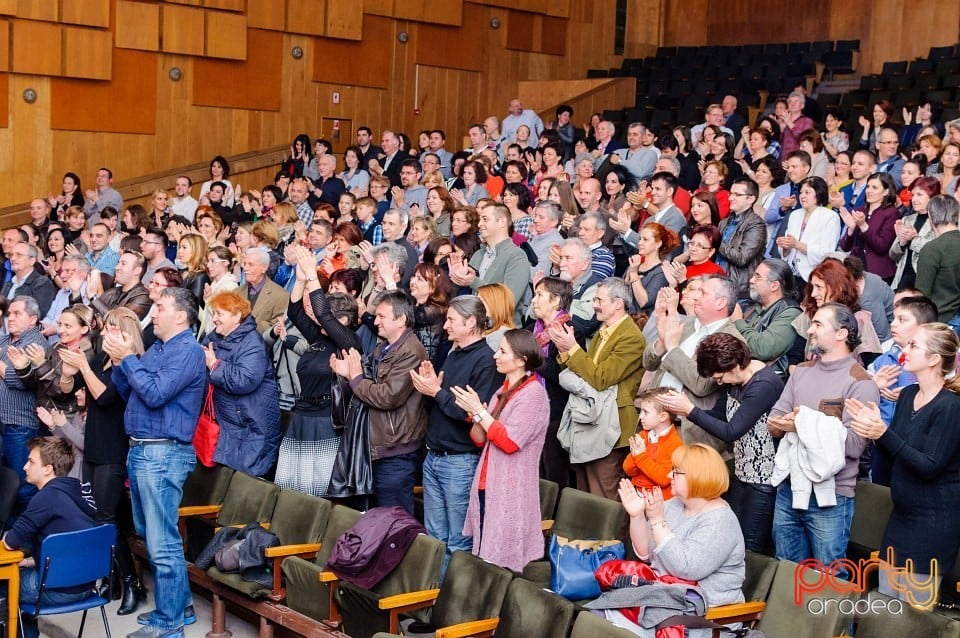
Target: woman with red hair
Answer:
pixel 645 273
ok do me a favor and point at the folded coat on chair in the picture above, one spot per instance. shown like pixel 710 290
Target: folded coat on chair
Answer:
pixel 367 552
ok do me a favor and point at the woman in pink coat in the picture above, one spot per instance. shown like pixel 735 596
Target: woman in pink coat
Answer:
pixel 504 512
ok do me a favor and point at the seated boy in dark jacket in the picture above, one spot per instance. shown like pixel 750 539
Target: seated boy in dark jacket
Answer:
pixel 61 505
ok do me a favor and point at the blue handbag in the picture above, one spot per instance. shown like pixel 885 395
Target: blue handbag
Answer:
pixel 573 563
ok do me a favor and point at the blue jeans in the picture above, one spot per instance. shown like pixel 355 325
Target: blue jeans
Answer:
pixel 15 455
pixel 955 323
pixel 817 532
pixel 446 495
pixel 393 479
pixel 157 473
pixel 30 592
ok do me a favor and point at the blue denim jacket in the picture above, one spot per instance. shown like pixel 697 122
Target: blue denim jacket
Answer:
pixel 164 389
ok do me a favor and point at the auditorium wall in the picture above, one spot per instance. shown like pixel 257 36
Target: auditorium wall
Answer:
pixel 887 29
pixel 101 74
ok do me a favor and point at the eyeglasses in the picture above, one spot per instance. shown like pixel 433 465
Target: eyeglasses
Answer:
pixel 677 472
pixel 736 194
pixel 912 345
pixel 694 244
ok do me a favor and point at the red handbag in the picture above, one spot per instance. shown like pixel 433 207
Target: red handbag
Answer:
pixel 207 432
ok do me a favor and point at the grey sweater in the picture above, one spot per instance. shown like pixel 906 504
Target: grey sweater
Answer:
pixel 707 548
pixel 824 386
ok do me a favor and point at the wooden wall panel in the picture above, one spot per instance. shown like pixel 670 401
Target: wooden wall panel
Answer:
pixel 4 45
pixel 643 28
pixel 138 26
pixel 448 12
pixel 685 22
pixel 380 7
pixel 91 13
pixel 183 30
pixel 226 35
pixel 520 30
pixel 26 165
pixel 126 104
pixel 8 7
pixel 45 59
pixel 227 5
pixel 305 16
pixel 344 19
pixel 250 84
pixel 451 47
pixel 264 14
pixel 4 100
pixel 87 53
pixel 48 10
pixel 366 63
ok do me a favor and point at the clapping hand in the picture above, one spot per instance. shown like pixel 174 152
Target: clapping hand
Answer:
pixel 52 418
pixel 653 504
pixel 467 399
pixel 886 375
pixel 210 357
pixel 867 421
pixel 36 354
pixel 426 381
pixel 349 365
pixel 74 361
pixel 632 502
pixel 562 337
pixel 18 358
pixel 637 445
pixel 117 346
pixel 622 222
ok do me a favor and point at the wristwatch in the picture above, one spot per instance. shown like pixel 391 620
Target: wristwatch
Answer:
pixel 476 418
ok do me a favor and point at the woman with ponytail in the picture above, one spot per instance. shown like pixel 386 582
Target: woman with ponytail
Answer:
pixel 922 446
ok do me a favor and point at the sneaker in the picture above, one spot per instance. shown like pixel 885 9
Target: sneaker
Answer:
pixel 189 616
pixel 157 632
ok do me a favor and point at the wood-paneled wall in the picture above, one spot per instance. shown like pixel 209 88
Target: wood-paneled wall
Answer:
pixel 419 89
pixel 887 29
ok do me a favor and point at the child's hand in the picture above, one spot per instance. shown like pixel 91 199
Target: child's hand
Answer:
pixel 637 446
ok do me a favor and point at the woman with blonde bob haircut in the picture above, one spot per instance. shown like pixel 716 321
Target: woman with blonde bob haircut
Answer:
pixel 499 302
pixel 705 541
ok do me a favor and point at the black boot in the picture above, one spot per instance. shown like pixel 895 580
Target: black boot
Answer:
pixel 131 597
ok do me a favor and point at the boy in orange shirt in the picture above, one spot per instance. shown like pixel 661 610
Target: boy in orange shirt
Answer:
pixel 648 463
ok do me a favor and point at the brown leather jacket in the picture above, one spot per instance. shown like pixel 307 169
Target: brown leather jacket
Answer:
pixel 398 422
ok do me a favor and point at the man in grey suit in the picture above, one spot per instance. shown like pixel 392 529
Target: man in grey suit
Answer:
pixel 499 260
pixel 671 356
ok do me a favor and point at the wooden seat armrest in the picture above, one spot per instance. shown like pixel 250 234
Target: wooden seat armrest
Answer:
pixel 546 525
pixel 239 526
pixel 478 628
pixel 10 556
pixel 418 490
pixel 328 577
pixel 199 510
pixel 291 550
pixel 737 612
pixel 411 600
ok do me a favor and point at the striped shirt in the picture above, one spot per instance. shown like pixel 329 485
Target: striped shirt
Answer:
pixel 18 405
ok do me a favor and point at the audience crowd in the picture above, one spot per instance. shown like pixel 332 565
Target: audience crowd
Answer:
pixel 548 302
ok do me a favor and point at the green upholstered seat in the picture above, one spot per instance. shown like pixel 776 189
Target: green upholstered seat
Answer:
pixel 549 492
pixel 305 593
pixel 887 618
pixel 580 515
pixel 590 625
pixel 760 570
pixel 814 617
pixel 297 519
